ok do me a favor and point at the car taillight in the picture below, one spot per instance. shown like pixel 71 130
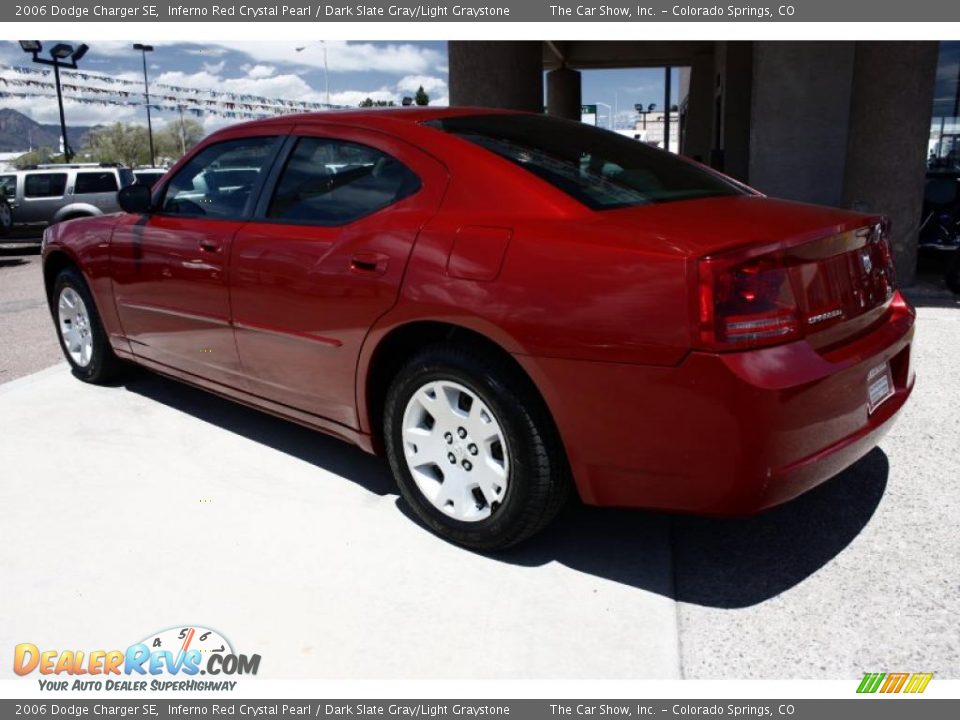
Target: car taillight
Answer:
pixel 744 304
pixel 765 296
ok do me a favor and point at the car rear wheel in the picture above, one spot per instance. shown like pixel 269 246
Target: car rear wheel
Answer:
pixel 82 338
pixel 473 450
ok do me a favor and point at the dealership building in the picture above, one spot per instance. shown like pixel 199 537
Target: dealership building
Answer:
pixel 843 123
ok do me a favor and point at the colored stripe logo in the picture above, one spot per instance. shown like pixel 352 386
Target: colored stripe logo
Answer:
pixel 894 682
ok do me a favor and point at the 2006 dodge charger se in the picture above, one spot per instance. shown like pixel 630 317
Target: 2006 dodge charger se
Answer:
pixel 508 306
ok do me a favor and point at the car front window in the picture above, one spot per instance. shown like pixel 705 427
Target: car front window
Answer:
pixel 218 181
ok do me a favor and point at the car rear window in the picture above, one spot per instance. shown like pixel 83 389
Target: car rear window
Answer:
pixel 334 182
pixel 95 182
pixel 44 185
pixel 600 168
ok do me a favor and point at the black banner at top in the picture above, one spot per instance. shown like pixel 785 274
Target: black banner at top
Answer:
pixel 642 11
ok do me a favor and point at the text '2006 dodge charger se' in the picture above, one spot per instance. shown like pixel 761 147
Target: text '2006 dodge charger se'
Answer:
pixel 508 306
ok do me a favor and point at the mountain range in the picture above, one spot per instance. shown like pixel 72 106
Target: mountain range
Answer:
pixel 20 132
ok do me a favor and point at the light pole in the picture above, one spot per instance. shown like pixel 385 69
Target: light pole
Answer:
pixel 609 113
pixel 144 49
pixel 58 56
pixel 326 70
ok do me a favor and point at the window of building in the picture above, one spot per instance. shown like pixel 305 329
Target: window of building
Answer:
pixel 943 150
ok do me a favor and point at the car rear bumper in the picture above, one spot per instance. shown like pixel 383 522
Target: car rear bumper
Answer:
pixel 725 434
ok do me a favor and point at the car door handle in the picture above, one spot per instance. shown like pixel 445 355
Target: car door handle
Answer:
pixel 369 263
pixel 209 246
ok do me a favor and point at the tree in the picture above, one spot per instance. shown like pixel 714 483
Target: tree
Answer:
pixel 119 143
pixel 170 146
pixel 34 157
pixel 370 102
pixel 421 98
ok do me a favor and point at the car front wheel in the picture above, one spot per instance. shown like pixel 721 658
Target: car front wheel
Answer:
pixel 473 449
pixel 82 338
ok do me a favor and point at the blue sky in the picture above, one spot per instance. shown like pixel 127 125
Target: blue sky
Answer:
pixel 381 70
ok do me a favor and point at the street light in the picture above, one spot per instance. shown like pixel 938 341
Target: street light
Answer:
pixel 58 58
pixel 326 70
pixel 144 49
pixel 609 113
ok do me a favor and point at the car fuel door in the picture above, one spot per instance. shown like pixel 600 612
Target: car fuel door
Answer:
pixel 324 258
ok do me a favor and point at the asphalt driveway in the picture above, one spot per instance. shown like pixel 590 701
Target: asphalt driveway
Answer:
pixel 132 508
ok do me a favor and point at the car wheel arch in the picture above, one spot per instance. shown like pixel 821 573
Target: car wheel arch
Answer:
pixel 55 262
pixel 398 344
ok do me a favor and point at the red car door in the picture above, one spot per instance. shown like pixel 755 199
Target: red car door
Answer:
pixel 323 259
pixel 170 268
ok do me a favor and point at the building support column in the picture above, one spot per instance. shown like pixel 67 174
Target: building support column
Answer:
pixel 564 93
pixel 495 73
pixel 890 109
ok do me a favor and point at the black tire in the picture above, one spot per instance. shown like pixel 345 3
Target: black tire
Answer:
pixel 6 217
pixel 103 364
pixel 539 476
pixel 952 276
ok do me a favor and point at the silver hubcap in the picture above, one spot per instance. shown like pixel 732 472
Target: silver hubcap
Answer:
pixel 455 450
pixel 75 326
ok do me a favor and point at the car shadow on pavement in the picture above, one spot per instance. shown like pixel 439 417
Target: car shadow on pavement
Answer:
pixel 724 563
pixel 336 456
pixel 719 562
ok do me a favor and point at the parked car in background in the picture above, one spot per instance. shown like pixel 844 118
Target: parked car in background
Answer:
pixel 147 176
pixel 45 194
pixel 508 306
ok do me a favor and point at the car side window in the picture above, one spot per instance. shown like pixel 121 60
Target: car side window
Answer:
pixel 8 185
pixel 218 181
pixel 95 182
pixel 44 185
pixel 333 182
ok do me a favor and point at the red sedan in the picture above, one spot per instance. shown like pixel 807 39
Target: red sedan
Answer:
pixel 507 306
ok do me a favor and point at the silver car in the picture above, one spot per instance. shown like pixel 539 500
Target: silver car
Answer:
pixel 47 194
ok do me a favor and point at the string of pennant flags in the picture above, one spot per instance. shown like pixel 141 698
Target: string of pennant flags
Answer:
pixel 105 90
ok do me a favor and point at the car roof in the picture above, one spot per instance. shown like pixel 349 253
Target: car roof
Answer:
pixel 372 116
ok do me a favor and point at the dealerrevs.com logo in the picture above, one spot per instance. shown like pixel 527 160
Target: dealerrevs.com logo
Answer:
pixel 171 659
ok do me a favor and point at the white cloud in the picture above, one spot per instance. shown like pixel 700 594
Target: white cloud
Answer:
pixel 215 68
pixel 352 98
pixel 432 85
pixel 342 56
pixel 260 71
pixel 47 113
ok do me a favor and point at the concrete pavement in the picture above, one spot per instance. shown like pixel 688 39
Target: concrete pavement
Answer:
pixel 133 508
pixel 125 510
pixel 25 326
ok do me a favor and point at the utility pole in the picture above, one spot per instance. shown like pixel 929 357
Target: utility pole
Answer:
pixel 144 49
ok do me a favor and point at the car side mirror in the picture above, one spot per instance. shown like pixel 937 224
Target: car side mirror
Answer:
pixel 135 199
